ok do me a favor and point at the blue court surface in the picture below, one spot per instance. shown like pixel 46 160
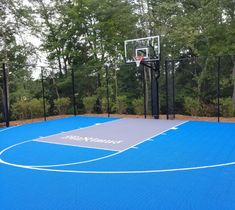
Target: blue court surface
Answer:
pixel 109 163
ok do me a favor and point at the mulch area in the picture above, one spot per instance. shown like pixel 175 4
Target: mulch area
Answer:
pixel 177 117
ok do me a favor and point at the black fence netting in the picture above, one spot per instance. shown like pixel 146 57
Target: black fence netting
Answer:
pixel 201 87
pixel 227 87
pixel 109 90
pixel 25 92
pixel 197 87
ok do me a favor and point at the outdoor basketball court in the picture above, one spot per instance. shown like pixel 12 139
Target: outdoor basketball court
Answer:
pixel 110 163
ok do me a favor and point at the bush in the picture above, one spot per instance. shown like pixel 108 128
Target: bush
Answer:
pixel 138 105
pixel 24 109
pixel 227 107
pixel 21 109
pixel 36 108
pixel 192 106
pixel 89 103
pixel 98 106
pixel 105 105
pixel 208 109
pixel 121 104
pixel 62 105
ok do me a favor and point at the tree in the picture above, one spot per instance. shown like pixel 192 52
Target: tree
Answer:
pixel 14 48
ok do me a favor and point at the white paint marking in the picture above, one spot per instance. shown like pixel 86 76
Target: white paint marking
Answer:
pixel 121 172
pixel 14 145
pixel 9 128
pixel 72 131
pixel 87 161
pixel 75 145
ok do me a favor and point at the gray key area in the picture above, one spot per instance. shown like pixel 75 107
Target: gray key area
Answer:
pixel 116 135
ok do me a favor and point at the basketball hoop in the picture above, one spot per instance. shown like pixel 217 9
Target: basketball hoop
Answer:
pixel 138 60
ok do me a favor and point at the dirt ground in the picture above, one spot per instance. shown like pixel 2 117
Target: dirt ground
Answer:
pixel 177 117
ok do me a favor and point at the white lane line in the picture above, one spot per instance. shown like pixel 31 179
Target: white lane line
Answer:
pixel 75 145
pixel 86 161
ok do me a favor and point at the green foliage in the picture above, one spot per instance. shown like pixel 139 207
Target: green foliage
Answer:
pixel 21 110
pixel 208 109
pixel 84 35
pixel 227 107
pixel 62 105
pixel 36 108
pixel 121 105
pixel 138 105
pixel 192 106
pixel 105 105
pixel 89 103
pixel 24 109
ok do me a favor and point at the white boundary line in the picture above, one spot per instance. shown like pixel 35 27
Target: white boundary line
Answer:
pixel 121 172
pixel 5 129
pixel 111 172
pixel 56 165
pixel 65 164
pixel 86 161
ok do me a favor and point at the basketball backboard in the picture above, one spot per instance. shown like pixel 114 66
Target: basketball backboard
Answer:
pixel 148 47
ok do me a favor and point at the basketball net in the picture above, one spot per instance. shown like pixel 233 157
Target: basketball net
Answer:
pixel 138 60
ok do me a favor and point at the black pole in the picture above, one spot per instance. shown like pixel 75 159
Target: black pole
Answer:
pixel 6 95
pixel 167 104
pixel 73 89
pixel 173 86
pixel 145 102
pixel 218 89
pixel 107 90
pixel 152 92
pixel 157 95
pixel 43 95
pixel 155 74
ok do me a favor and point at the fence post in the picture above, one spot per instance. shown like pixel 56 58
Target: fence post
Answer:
pixel 73 89
pixel 43 95
pixel 107 90
pixel 6 95
pixel 166 78
pixel 173 85
pixel 218 89
pixel 144 83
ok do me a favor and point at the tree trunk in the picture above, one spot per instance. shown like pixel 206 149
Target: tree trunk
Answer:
pixel 65 65
pixel 55 85
pixel 60 66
